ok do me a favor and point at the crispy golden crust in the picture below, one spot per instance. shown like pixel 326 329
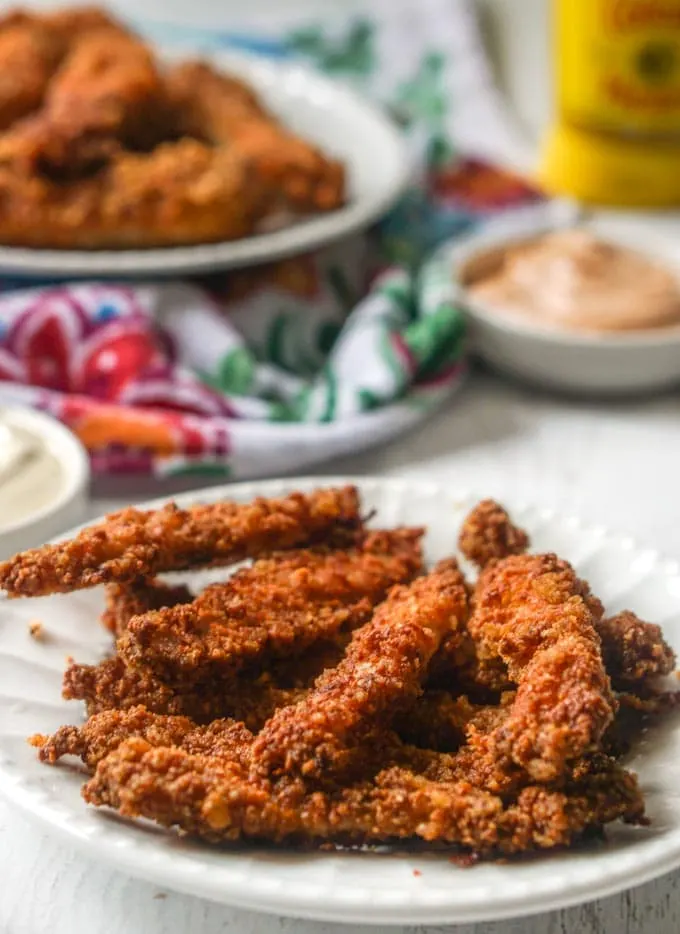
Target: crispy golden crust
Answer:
pixel 110 685
pixel 261 711
pixel 221 109
pixel 96 150
pixel 530 612
pixel 28 57
pixel 214 798
pixel 278 607
pixel 380 673
pixel 106 731
pixel 123 601
pixel 634 652
pixel 488 533
pixel 133 543
pixel 183 192
pixel 107 95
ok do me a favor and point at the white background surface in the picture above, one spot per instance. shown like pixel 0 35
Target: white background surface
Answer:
pixel 615 463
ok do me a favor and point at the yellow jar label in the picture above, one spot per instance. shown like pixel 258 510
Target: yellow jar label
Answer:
pixel 619 64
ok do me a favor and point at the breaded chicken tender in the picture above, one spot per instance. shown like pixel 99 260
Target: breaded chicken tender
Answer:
pixel 529 610
pixel 135 543
pixel 280 606
pixel 382 670
pixel 215 798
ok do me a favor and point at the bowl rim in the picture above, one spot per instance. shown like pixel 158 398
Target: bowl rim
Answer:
pixel 524 225
pixel 66 447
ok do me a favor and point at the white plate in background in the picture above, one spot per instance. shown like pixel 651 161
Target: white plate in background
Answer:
pixel 409 888
pixel 326 112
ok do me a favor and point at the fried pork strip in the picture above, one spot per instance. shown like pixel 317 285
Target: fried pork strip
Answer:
pixel 135 543
pixel 278 607
pixel 214 798
pixel 530 611
pixel 380 674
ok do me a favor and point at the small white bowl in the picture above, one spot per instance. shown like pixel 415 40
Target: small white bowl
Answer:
pixel 68 506
pixel 585 363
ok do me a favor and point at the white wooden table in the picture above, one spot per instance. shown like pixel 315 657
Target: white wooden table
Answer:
pixel 613 463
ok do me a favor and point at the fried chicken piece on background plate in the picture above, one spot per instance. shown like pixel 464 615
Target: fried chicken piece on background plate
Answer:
pixel 106 95
pixel 28 57
pixel 280 606
pixel 136 543
pixel 220 108
pixel 32 47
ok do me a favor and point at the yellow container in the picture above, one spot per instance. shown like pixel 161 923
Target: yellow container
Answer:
pixel 617 136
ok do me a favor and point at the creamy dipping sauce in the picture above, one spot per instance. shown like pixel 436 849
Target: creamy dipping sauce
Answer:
pixel 573 279
pixel 31 477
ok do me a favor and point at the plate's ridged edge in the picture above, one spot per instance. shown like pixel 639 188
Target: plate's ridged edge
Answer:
pixel 244 882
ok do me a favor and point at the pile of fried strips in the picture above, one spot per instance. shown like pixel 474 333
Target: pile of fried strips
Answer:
pixel 334 691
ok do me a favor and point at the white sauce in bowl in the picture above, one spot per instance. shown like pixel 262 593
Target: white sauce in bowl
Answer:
pixel 31 476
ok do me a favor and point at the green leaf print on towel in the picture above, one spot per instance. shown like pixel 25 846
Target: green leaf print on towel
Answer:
pixel 352 55
pixel 423 101
pixel 235 372
pixel 436 341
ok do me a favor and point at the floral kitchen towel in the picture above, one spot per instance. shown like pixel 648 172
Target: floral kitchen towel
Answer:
pixel 268 370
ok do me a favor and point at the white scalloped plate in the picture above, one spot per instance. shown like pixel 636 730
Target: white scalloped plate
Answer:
pixel 319 109
pixel 367 888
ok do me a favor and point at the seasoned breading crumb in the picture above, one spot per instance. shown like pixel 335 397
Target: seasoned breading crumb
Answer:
pixel 123 601
pixel 215 798
pixel 37 631
pixel 487 534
